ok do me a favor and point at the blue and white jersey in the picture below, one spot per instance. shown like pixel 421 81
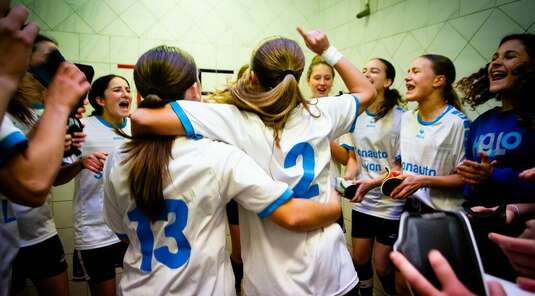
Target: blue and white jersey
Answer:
pixel 434 148
pixel 11 139
pixel 35 224
pixel 278 261
pixel 377 146
pixel 183 253
pixel 499 135
pixel 90 231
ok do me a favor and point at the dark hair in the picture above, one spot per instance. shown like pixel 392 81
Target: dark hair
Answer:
pixel 443 66
pixel 98 88
pixel 42 38
pixel 475 87
pixel 318 60
pixel 392 96
pixel 161 74
pixel 29 91
pixel 242 70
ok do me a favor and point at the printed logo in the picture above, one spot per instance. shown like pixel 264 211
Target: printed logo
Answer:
pixel 421 134
pixel 494 145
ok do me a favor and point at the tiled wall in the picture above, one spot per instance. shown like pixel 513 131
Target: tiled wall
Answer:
pixel 222 33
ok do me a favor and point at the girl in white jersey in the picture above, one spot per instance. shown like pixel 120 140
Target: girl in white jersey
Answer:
pixel 97 250
pixel 375 217
pixel 290 138
pixel 168 196
pixel 432 137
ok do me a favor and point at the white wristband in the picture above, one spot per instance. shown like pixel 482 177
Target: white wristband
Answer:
pixel 331 55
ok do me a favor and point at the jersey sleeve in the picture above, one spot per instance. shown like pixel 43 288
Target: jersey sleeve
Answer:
pixel 461 136
pixel 342 112
pixel 112 213
pixel 221 122
pixel 11 139
pixel 244 181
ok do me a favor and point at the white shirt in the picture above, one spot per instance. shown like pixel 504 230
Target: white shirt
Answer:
pixel 278 261
pixel 377 146
pixel 11 139
pixel 90 231
pixel 205 175
pixel 434 149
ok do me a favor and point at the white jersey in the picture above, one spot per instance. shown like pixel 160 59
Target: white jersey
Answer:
pixel 35 224
pixel 278 261
pixel 205 175
pixel 434 149
pixel 90 231
pixel 11 139
pixel 377 146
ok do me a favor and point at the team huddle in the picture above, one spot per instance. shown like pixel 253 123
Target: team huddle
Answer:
pixel 154 187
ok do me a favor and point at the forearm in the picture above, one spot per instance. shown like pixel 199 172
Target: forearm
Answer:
pixel 162 121
pixel 352 166
pixel 68 172
pixel 302 215
pixel 7 89
pixel 28 176
pixel 356 82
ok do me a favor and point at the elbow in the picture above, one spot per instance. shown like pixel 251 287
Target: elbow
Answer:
pixel 295 223
pixel 34 193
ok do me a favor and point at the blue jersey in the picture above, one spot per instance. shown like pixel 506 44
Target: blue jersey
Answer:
pixel 499 135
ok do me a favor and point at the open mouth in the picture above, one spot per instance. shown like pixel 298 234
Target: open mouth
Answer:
pixel 497 75
pixel 410 87
pixel 124 104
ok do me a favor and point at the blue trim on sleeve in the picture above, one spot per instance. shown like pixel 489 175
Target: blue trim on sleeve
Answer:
pixel 276 204
pixel 104 122
pixel 356 114
pixel 422 122
pixel 186 123
pixel 15 140
pixel 348 147
pixel 38 106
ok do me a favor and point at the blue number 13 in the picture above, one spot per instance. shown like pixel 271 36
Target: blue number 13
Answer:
pixel 303 188
pixel 173 230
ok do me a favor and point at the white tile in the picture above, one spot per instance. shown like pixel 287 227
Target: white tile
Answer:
pixel 53 12
pixel 426 35
pixel 521 12
pixel 123 50
pixel 486 40
pixel 416 15
pixel 440 10
pixel 74 24
pixel 62 213
pixel 95 48
pixel 470 6
pixel 407 52
pixel 160 7
pixel 68 44
pixel 101 69
pixel 97 14
pixel 468 62
pixel 138 18
pixel 447 42
pixel 120 6
pixel 394 14
pixel 391 44
pixel 470 24
pixel 43 26
pixel 67 239
pixel 158 31
pixel 177 26
pixel 118 28
pixel 63 192
pixel 75 4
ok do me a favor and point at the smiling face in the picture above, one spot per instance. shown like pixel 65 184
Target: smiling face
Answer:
pixel 321 80
pixel 375 71
pixel 420 80
pixel 117 99
pixel 507 58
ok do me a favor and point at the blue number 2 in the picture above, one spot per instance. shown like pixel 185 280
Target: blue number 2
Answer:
pixel 173 230
pixel 303 188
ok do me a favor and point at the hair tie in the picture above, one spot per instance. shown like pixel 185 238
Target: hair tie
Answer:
pixel 286 72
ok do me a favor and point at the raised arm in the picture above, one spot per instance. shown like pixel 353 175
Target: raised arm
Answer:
pixel 354 80
pixel 27 177
pixel 300 214
pixel 161 121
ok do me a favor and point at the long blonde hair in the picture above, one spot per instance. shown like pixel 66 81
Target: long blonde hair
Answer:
pixel 271 88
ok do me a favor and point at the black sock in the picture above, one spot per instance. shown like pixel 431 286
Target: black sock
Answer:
pixel 365 273
pixel 388 283
pixel 237 268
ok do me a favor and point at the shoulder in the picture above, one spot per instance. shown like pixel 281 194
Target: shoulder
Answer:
pixel 487 115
